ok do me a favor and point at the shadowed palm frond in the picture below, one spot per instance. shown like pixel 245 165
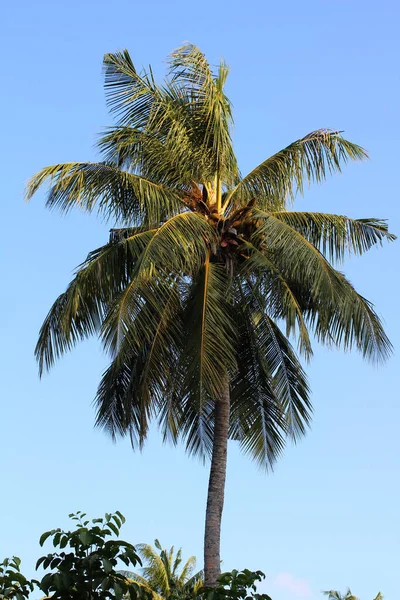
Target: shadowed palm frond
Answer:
pixel 207 355
pixel 79 312
pixel 334 310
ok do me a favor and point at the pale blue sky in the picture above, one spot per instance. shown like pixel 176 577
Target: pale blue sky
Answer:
pixel 329 515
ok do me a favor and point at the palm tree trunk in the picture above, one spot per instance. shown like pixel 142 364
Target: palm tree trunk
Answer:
pixel 216 489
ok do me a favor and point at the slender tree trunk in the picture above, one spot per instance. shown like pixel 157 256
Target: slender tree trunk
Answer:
pixel 216 490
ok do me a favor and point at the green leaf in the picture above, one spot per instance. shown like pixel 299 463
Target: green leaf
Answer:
pixel 44 537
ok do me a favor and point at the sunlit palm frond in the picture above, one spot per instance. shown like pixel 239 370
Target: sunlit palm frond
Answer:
pixel 160 573
pixel 284 174
pixel 130 95
pixel 155 272
pixel 115 194
pixel 173 165
pixel 336 235
pixel 212 112
pixel 187 571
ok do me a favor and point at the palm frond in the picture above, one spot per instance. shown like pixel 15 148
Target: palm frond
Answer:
pixel 282 300
pixel 78 312
pixel 115 194
pixel 208 353
pixel 256 420
pixel 307 160
pixel 274 374
pixel 189 234
pixel 187 571
pixel 334 309
pixel 336 235
pixel 212 113
pixel 138 380
pixel 130 95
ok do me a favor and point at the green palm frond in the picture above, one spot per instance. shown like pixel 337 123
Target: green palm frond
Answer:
pixel 284 174
pixel 212 112
pixel 161 576
pixel 208 354
pixel 138 151
pixel 271 375
pixel 283 302
pixel 130 95
pixel 335 595
pixel 335 311
pixel 189 234
pixel 256 419
pixel 115 194
pixel 187 571
pixel 336 235
pixel 139 378
pixel 79 312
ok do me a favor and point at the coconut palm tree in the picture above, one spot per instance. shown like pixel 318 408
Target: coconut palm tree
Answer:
pixel 161 573
pixel 334 595
pixel 207 273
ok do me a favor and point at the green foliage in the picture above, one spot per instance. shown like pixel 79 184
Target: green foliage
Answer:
pixel 85 565
pixel 335 595
pixel 235 585
pixel 13 585
pixel 164 575
pixel 208 276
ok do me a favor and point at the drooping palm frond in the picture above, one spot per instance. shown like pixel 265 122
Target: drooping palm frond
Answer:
pixel 270 388
pixel 79 312
pixel 307 160
pixel 207 353
pixel 189 234
pixel 335 311
pixel 280 294
pixel 256 421
pixel 139 379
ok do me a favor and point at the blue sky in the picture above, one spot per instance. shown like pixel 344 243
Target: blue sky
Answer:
pixel 328 516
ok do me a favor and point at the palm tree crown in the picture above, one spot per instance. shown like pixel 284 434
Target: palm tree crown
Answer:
pixel 335 595
pixel 207 273
pixel 161 573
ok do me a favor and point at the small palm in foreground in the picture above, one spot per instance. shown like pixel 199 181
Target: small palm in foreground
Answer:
pixel 208 275
pixel 334 595
pixel 161 572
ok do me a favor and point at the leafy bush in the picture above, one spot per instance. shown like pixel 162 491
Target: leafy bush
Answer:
pixel 85 567
pixel 236 585
pixel 13 585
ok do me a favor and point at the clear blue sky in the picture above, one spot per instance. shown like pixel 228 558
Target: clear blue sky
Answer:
pixel 329 515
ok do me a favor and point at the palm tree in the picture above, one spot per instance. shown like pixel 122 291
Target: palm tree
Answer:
pixel 334 595
pixel 161 573
pixel 207 274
